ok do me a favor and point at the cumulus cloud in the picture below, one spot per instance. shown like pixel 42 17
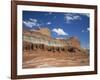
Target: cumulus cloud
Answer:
pixel 31 22
pixel 59 31
pixel 70 17
pixel 48 23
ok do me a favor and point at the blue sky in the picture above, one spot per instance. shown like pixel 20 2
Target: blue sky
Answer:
pixel 61 24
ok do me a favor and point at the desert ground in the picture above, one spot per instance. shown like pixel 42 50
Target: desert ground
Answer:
pixel 41 59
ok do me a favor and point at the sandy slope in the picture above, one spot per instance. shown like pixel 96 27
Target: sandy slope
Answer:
pixel 40 59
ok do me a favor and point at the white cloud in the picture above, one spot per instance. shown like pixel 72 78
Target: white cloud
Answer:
pixel 60 38
pixel 31 22
pixel 76 17
pixel 83 31
pixel 88 29
pixel 49 13
pixel 48 23
pixel 70 17
pixel 86 14
pixel 59 31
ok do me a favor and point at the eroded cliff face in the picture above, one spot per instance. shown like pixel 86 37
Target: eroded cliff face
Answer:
pixel 74 42
pixel 43 36
pixel 44 31
pixel 39 52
